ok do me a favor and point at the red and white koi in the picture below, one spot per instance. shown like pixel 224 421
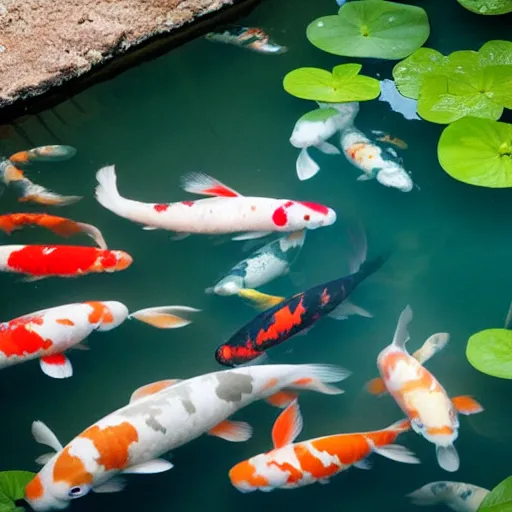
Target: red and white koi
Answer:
pixel 251 38
pixel 227 212
pixel 161 417
pixel 47 334
pixel 421 397
pixel 41 261
pixel 290 465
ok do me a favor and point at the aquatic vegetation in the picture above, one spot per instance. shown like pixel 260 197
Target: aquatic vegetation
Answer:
pixel 12 489
pixel 487 7
pixel 499 499
pixel 490 352
pixel 373 28
pixel 477 151
pixel 344 84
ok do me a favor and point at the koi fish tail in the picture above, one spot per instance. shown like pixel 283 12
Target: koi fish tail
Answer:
pixel 305 166
pixel 317 377
pixel 447 457
pixel 94 233
pixel 107 194
pixel 165 317
pixel 30 192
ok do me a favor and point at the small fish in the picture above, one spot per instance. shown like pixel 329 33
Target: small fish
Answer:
pixel 160 417
pixel 59 225
pixel 227 212
pixel 291 465
pixel 400 104
pixel 41 261
pixel 43 154
pixel 422 398
pixel 458 496
pixel 395 141
pixel 262 266
pixel 246 37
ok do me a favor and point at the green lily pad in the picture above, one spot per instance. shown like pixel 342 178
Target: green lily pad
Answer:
pixel 478 152
pixel 373 28
pixel 344 84
pixel 499 499
pixel 490 352
pixel 495 53
pixel 12 488
pixel 488 7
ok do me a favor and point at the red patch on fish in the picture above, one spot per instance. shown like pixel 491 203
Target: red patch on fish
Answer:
pixel 325 297
pixel 319 208
pixel 64 321
pixel 188 203
pixel 220 191
pixel 161 207
pixel 279 217
pixel 56 359
pixel 17 337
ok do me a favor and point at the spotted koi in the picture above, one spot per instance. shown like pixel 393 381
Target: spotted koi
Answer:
pixel 254 39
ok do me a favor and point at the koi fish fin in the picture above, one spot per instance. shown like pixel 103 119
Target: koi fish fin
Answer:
pixel 288 426
pixel 466 405
pixel 234 431
pixel 202 184
pixel 363 464
pixel 324 481
pixel 328 148
pixel 282 399
pixel 57 366
pixel 315 377
pixel 306 167
pixel 150 467
pixel 251 235
pixel 447 457
pixel 432 346
pixel 363 177
pixel 258 300
pixel 401 336
pixel 400 426
pixel 347 308
pixel 94 233
pixel 44 435
pixel 151 389
pixel 293 239
pixel 81 346
pixel 376 387
pixel 395 452
pixel 305 331
pixel 114 484
pixel 164 317
pixel 43 459
pixel 432 494
pixel 149 228
pixel 33 279
pixel 180 236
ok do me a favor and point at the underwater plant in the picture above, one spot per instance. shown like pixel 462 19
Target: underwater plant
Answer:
pixel 499 499
pixel 12 489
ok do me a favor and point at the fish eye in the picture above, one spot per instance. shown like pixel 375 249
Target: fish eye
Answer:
pixel 307 217
pixel 77 491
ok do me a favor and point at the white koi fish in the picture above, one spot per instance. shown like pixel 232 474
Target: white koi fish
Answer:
pixel 226 212
pixel 160 417
pixel 262 266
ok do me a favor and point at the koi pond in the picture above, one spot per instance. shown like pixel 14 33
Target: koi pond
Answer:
pixel 438 216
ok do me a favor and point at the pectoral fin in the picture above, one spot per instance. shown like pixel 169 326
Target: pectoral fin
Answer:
pixel 376 387
pixel 306 167
pixel 164 317
pixel 288 426
pixel 282 399
pixel 328 149
pixel 466 405
pixel 234 431
pixel 258 300
pixel 57 366
pixel 347 308
pixel 115 484
pixel 150 467
pixel 44 435
pixel 251 235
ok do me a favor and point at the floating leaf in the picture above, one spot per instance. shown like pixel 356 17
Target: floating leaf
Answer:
pixel 373 28
pixel 490 352
pixel 495 53
pixel 499 499
pixel 344 84
pixel 12 488
pixel 477 151
pixel 488 7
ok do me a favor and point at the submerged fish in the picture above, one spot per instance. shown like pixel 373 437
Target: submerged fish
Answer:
pixel 40 261
pixel 395 141
pixel 290 465
pixel 246 37
pixel 44 154
pixel 458 496
pixel 226 212
pixel 59 225
pixel 422 398
pixel 262 266
pixel 161 417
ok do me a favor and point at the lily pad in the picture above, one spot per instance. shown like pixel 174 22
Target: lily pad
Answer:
pixel 495 53
pixel 344 84
pixel 478 152
pixel 490 352
pixel 12 488
pixel 373 28
pixel 488 7
pixel 499 499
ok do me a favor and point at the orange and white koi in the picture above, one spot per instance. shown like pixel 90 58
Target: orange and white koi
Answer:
pixel 59 225
pixel 421 397
pixel 247 37
pixel 57 153
pixel 47 334
pixel 226 212
pixel 160 417
pixel 41 261
pixel 290 465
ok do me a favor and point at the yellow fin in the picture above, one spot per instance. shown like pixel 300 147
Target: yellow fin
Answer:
pixel 259 300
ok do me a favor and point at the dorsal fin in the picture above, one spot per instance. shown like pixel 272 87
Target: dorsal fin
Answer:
pixel 401 336
pixel 151 389
pixel 202 184
pixel 43 435
pixel 287 426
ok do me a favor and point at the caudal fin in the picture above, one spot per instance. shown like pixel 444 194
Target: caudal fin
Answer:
pixel 165 317
pixel 106 191
pixel 448 458
pixel 316 377
pixel 306 167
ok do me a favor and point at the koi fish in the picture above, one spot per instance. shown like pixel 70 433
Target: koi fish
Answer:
pixel 458 496
pixel 246 37
pixel 226 212
pixel 41 261
pixel 291 465
pixel 262 266
pixel 385 137
pixel 59 225
pixel 315 128
pixel 47 334
pixel 422 398
pixel 44 154
pixel 161 417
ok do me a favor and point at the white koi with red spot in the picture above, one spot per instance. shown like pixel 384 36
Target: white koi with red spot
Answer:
pixel 421 397
pixel 226 212
pixel 160 417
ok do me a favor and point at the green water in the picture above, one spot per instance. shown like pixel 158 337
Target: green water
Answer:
pixel 222 110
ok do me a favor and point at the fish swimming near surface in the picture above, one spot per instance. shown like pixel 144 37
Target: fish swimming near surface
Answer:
pixel 262 266
pixel 59 225
pixel 57 153
pixel 161 417
pixel 290 465
pixel 254 39
pixel 458 496
pixel 47 334
pixel 41 261
pixel 226 212
pixel 385 137
pixel 422 398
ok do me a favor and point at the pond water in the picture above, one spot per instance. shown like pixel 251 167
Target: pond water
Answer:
pixel 222 110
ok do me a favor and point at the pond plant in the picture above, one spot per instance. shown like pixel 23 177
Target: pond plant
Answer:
pixel 12 489
pixel 499 499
